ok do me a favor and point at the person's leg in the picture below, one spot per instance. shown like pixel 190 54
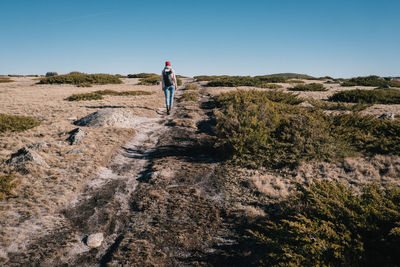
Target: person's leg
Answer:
pixel 166 93
pixel 171 96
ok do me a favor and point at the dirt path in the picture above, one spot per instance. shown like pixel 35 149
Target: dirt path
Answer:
pixel 157 202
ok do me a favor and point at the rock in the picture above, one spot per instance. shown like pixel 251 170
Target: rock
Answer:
pixel 95 240
pixel 51 73
pixel 25 155
pixel 387 116
pixel 108 117
pixel 76 136
pixel 72 118
pixel 77 150
pixel 38 145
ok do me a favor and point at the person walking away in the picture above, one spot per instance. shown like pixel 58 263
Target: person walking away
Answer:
pixel 169 85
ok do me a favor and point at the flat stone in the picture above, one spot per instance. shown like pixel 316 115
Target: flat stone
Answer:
pixel 116 117
pixel 95 240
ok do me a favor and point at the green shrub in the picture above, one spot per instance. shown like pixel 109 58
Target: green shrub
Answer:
pixel 372 80
pixel 97 95
pixel 254 131
pixel 190 96
pixel 326 224
pixel 337 106
pixel 178 81
pixel 308 87
pixel 378 96
pixel 6 186
pixel 5 80
pixel 151 80
pixel 208 78
pixel 81 79
pixel 83 97
pixel 270 85
pixel 367 134
pixel 191 86
pixel 271 78
pixel 141 75
pixel 13 123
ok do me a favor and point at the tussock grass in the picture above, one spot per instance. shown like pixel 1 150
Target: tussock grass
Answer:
pixel 372 80
pixel 191 86
pixel 326 224
pixel 308 87
pixel 6 186
pixel 255 131
pixel 189 96
pixel 97 95
pixel 81 79
pixel 377 96
pixel 5 80
pixel 13 123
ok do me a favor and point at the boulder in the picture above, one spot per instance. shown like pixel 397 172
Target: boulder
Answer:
pixel 108 117
pixel 25 155
pixel 94 240
pixel 387 116
pixel 51 73
pixel 76 136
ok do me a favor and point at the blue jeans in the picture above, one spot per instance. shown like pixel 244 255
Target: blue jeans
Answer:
pixel 169 92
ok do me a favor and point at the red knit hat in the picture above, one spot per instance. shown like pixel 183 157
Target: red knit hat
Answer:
pixel 167 63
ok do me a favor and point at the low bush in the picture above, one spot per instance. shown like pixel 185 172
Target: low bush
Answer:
pixel 326 224
pixel 337 106
pixel 377 96
pixel 13 123
pixel 15 75
pixel 81 79
pixel 235 81
pixel 97 95
pixel 141 75
pixel 5 80
pixel 151 80
pixel 190 96
pixel 270 85
pixel 372 80
pixel 6 186
pixel 308 87
pixel 259 129
pixel 191 86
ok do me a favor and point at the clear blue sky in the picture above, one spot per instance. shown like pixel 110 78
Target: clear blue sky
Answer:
pixel 249 37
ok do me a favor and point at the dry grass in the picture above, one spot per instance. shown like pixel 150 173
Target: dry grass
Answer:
pixel 41 191
pixel 192 86
pixel 98 95
pixel 5 80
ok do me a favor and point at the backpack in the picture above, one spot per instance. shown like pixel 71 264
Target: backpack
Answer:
pixel 167 76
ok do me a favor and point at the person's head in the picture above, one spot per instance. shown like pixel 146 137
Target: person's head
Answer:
pixel 167 63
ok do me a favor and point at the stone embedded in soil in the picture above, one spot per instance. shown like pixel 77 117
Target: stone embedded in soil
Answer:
pixel 387 116
pixel 25 155
pixel 76 136
pixel 95 240
pixel 76 150
pixel 108 117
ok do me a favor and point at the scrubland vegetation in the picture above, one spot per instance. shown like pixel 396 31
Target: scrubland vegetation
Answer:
pixel 5 80
pixel 191 86
pixel 81 79
pixel 378 96
pixel 325 105
pixel 370 81
pixel 326 224
pixel 153 79
pixel 97 95
pixel 260 130
pixel 190 96
pixel 6 186
pixel 13 123
pixel 308 87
